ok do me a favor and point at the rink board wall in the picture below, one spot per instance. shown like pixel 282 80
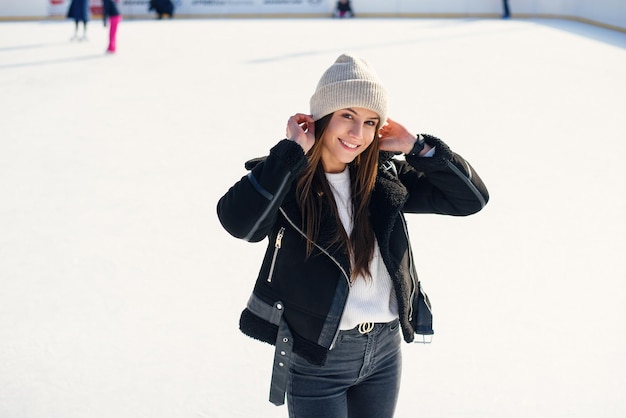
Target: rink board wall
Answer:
pixel 610 13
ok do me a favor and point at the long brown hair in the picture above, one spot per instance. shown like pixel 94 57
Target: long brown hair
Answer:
pixel 313 188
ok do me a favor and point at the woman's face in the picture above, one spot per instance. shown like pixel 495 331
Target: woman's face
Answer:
pixel 349 133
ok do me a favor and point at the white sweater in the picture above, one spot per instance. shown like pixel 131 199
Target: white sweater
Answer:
pixel 369 300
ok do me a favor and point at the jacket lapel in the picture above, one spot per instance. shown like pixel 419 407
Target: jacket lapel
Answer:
pixel 388 198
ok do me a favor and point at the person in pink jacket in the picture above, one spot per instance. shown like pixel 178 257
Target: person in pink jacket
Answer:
pixel 111 13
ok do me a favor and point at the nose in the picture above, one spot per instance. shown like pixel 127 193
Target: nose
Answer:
pixel 356 131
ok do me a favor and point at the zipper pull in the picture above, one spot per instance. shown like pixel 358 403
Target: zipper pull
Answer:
pixel 279 237
pixel 277 245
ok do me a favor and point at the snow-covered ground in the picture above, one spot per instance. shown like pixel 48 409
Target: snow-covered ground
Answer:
pixel 120 293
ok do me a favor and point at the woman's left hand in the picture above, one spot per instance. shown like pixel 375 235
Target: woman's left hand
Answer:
pixel 395 137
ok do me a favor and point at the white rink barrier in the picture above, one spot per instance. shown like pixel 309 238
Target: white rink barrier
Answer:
pixel 608 13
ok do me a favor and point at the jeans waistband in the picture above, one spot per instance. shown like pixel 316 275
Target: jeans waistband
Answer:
pixel 365 328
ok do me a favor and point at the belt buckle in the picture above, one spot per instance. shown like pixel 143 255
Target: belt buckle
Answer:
pixel 365 327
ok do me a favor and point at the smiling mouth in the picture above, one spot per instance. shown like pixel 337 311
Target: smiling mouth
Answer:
pixel 347 144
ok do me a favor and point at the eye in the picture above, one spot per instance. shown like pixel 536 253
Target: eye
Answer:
pixel 347 115
pixel 370 123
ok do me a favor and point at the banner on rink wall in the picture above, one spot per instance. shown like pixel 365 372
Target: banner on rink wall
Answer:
pixel 225 7
pixel 136 7
pixel 258 6
pixel 60 7
pixel 57 7
pixel 206 7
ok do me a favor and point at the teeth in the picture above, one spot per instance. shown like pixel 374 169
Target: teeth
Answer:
pixel 348 145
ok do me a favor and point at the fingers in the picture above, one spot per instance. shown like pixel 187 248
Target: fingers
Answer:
pixel 300 123
pixel 387 127
pixel 308 128
pixel 300 120
pixel 385 131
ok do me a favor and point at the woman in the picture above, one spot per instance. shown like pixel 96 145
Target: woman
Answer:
pixel 111 12
pixel 338 282
pixel 505 9
pixel 343 9
pixel 162 7
pixel 79 12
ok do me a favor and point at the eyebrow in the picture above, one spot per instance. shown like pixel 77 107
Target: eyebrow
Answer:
pixel 355 112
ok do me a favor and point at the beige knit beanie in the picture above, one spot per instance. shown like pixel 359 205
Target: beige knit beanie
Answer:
pixel 349 82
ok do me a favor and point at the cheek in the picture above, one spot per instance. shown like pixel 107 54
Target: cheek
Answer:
pixel 371 136
pixel 325 139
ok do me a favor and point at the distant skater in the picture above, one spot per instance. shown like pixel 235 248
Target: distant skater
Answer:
pixel 162 7
pixel 79 11
pixel 111 12
pixel 343 9
pixel 505 13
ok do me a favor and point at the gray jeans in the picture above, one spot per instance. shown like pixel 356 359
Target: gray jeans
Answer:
pixel 361 377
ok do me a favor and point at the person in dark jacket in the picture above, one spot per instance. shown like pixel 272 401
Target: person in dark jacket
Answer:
pixel 505 9
pixel 337 288
pixel 79 12
pixel 162 7
pixel 343 9
pixel 111 13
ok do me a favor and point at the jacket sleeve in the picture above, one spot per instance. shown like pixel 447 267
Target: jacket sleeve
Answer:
pixel 250 207
pixel 105 12
pixel 443 184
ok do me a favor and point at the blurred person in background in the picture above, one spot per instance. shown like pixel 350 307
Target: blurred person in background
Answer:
pixel 162 8
pixel 343 9
pixel 505 12
pixel 79 11
pixel 111 13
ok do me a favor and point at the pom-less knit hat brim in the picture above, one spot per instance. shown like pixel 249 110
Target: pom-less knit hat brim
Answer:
pixel 349 82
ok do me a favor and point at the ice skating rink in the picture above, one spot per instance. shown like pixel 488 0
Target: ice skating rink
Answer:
pixel 120 293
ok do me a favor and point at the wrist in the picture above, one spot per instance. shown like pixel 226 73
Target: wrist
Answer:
pixel 417 147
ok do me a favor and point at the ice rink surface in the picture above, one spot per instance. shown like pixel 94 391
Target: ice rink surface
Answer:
pixel 120 293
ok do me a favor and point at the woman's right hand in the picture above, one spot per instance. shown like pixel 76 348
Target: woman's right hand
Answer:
pixel 301 129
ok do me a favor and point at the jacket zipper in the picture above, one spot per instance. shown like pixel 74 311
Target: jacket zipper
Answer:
pixel 411 267
pixel 345 275
pixel 279 241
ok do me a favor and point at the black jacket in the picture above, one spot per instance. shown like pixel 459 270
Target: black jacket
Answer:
pixel 311 292
pixel 161 6
pixel 344 7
